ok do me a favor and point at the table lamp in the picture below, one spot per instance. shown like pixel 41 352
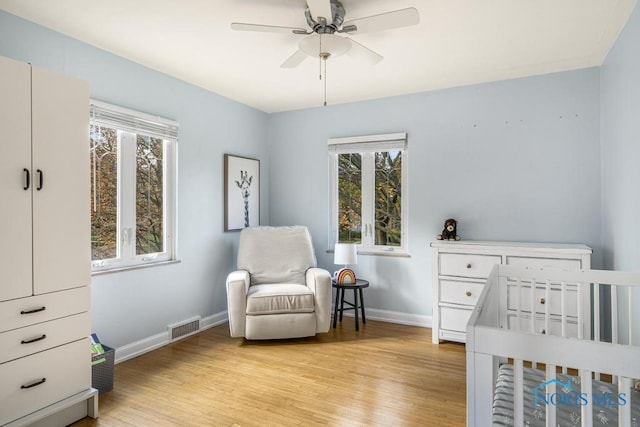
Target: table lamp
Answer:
pixel 345 254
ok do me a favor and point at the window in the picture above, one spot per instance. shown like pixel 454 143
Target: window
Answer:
pixel 368 182
pixel 133 170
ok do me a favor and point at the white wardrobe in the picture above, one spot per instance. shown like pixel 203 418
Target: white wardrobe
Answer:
pixel 45 358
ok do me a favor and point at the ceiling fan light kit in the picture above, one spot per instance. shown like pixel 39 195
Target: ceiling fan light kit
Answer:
pixel 324 44
pixel 325 18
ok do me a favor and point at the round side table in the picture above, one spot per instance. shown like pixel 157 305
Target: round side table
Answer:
pixel 356 306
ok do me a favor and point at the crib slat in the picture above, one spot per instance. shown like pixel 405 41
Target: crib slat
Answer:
pixel 551 389
pixel 586 410
pixel 624 411
pixel 563 309
pixel 596 317
pixel 630 311
pixel 532 290
pixel 518 392
pixel 519 312
pixel 614 321
pixel 596 312
pixel 547 304
pixel 532 302
pixel 614 314
pixel 563 313
pixel 581 322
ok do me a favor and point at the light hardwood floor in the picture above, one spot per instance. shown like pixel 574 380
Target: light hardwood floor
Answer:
pixel 383 375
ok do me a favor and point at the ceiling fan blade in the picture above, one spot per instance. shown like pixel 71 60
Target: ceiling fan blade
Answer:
pixel 320 9
pixel 294 60
pixel 385 21
pixel 363 53
pixel 241 26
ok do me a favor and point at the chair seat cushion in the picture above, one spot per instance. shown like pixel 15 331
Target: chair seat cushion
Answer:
pixel 279 298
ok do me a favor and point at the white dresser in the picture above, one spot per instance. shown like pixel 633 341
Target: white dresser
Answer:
pixel 45 321
pixel 460 269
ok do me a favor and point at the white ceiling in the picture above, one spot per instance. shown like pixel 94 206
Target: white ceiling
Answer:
pixel 457 42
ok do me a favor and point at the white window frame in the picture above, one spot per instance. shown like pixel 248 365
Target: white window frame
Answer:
pixel 367 146
pixel 128 123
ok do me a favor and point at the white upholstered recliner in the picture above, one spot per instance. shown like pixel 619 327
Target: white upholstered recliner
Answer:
pixel 277 291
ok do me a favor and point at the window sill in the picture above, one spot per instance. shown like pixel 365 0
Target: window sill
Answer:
pixel 135 267
pixel 380 253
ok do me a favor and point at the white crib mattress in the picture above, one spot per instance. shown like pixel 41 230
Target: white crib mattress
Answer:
pixel 566 414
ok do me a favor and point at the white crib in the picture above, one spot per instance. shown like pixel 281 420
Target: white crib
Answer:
pixel 532 364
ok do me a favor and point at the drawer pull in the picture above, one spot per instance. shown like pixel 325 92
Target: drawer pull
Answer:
pixel 542 301
pixel 468 293
pixel 543 331
pixel 42 381
pixel 469 265
pixel 33 339
pixel 35 310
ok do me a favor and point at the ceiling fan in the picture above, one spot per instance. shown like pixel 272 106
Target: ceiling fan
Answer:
pixel 326 20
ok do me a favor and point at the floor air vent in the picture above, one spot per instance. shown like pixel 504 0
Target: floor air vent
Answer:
pixel 184 328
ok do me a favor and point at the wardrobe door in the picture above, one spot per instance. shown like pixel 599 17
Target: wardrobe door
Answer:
pixel 15 180
pixel 61 221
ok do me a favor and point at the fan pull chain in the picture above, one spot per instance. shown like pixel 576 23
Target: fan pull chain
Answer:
pixel 325 82
pixel 323 59
pixel 320 57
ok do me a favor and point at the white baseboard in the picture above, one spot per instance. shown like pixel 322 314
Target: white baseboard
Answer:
pixel 153 342
pixel 396 317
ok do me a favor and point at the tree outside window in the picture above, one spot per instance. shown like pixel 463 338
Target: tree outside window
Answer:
pixel 368 207
pixel 132 188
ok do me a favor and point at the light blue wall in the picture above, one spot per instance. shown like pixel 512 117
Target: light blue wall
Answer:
pixel 137 304
pixel 512 160
pixel 621 150
pixel 620 84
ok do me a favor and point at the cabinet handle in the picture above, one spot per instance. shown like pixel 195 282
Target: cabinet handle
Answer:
pixel 42 381
pixel 40 179
pixel 542 301
pixel 468 265
pixel 468 293
pixel 33 339
pixel 27 179
pixel 35 310
pixel 543 331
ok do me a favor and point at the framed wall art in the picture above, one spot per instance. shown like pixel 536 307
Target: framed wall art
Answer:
pixel 241 192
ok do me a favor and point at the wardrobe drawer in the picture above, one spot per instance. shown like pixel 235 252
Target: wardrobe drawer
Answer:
pixel 458 292
pixel 541 302
pixel 36 381
pixel 454 319
pixel 566 264
pixel 23 312
pixel 467 265
pixel 42 336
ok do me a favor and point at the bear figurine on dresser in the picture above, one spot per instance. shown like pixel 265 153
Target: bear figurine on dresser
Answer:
pixel 449 232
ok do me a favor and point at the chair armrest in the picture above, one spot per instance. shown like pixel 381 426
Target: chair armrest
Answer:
pixel 237 288
pixel 319 281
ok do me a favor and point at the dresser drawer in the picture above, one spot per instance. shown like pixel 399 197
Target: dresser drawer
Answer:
pixel 541 302
pixel 66 370
pixel 454 319
pixel 42 336
pixel 467 265
pixel 41 308
pixel 555 325
pixel 566 264
pixel 458 292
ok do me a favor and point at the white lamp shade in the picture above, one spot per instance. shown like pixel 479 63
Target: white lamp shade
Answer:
pixel 335 45
pixel 345 253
